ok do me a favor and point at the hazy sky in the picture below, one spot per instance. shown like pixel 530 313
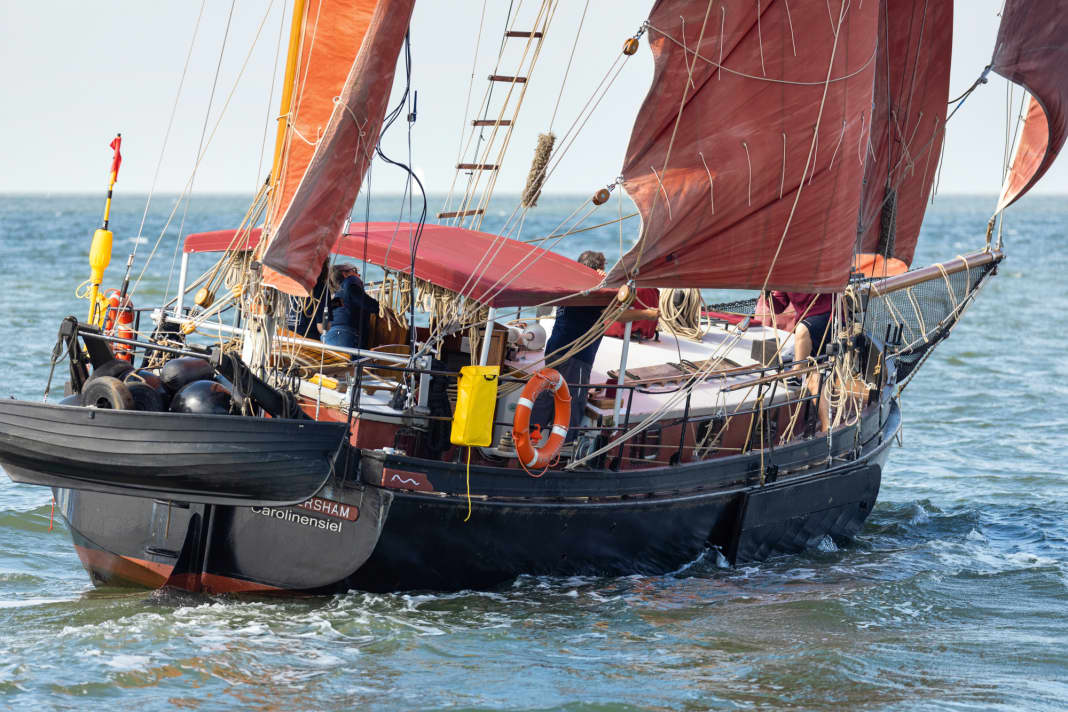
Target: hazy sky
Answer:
pixel 77 72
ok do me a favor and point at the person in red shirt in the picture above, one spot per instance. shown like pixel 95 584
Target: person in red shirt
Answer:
pixel 810 334
pixel 814 313
pixel 644 315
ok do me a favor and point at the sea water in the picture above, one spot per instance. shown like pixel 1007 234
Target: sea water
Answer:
pixel 953 596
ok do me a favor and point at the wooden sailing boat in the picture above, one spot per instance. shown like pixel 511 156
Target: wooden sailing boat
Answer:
pixel 777 147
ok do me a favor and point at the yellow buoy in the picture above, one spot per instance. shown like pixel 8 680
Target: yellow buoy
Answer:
pixel 99 259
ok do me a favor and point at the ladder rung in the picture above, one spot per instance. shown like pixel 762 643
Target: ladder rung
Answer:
pixel 519 33
pixel 460 213
pixel 477 166
pixel 502 78
pixel 491 122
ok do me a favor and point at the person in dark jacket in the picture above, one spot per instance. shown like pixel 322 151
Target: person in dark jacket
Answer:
pixel 350 310
pixel 571 324
pixel 308 315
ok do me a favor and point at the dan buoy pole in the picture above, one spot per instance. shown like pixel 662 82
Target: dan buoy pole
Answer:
pixel 100 251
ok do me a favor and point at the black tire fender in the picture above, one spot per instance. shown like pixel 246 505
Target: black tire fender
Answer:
pixel 107 392
pixel 145 397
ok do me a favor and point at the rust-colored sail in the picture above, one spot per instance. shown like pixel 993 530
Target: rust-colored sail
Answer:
pixel 343 80
pixel 778 102
pixel 911 90
pixel 1032 51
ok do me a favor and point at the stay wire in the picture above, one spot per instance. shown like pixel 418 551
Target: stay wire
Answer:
pixel 167 134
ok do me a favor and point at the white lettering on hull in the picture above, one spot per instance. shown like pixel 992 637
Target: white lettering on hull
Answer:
pixel 288 515
pixel 331 508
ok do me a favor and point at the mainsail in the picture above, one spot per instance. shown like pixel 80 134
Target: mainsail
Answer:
pixel 1032 51
pixel 911 89
pixel 344 75
pixel 747 158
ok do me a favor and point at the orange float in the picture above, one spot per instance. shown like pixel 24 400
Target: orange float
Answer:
pixel 542 381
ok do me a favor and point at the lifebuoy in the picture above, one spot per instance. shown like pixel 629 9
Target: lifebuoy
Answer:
pixel 543 380
pixel 120 323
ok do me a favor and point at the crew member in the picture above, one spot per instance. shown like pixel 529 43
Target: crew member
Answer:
pixel 307 315
pixel 350 310
pixel 571 324
pixel 810 334
pixel 644 315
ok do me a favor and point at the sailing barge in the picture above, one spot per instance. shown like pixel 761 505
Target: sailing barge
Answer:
pixel 204 445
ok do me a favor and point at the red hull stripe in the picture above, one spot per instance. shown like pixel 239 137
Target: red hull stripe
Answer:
pixel 155 575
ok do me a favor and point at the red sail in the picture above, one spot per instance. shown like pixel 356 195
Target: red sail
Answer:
pixel 314 202
pixel 1032 50
pixel 778 104
pixel 911 90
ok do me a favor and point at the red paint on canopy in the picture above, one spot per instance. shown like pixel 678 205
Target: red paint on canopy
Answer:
pixel 490 269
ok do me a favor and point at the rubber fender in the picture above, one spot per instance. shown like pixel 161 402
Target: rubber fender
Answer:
pixel 178 372
pixel 107 392
pixel 150 379
pixel 204 398
pixel 145 397
pixel 115 368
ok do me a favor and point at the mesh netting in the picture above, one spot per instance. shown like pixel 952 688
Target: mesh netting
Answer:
pixel 742 306
pixel 924 312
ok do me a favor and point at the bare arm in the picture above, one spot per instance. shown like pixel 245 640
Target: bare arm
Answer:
pixel 639 315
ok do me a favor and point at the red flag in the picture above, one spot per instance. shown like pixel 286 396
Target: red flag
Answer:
pixel 117 160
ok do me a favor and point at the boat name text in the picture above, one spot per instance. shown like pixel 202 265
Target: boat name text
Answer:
pixel 288 515
pixel 331 508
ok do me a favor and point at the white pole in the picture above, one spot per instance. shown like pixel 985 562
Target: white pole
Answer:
pixel 486 341
pixel 182 272
pixel 622 372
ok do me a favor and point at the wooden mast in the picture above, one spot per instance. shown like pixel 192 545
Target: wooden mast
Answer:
pixel 296 30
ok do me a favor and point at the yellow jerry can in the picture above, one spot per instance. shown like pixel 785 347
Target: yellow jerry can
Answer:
pixel 476 399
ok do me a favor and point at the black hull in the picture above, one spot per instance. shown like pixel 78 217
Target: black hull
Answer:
pixel 211 459
pixel 427 545
pixel 596 523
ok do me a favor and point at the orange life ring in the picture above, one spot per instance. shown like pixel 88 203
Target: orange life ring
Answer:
pixel 529 455
pixel 120 323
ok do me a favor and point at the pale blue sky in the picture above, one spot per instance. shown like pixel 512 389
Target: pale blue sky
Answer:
pixel 76 72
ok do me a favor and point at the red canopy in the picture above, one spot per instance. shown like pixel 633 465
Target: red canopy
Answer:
pixel 490 269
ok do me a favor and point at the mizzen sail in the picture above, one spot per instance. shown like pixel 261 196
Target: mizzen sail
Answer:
pixel 1032 51
pixel 911 90
pixel 747 157
pixel 347 60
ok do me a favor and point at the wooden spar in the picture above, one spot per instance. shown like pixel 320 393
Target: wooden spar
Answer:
pixel 295 31
pixel 911 279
